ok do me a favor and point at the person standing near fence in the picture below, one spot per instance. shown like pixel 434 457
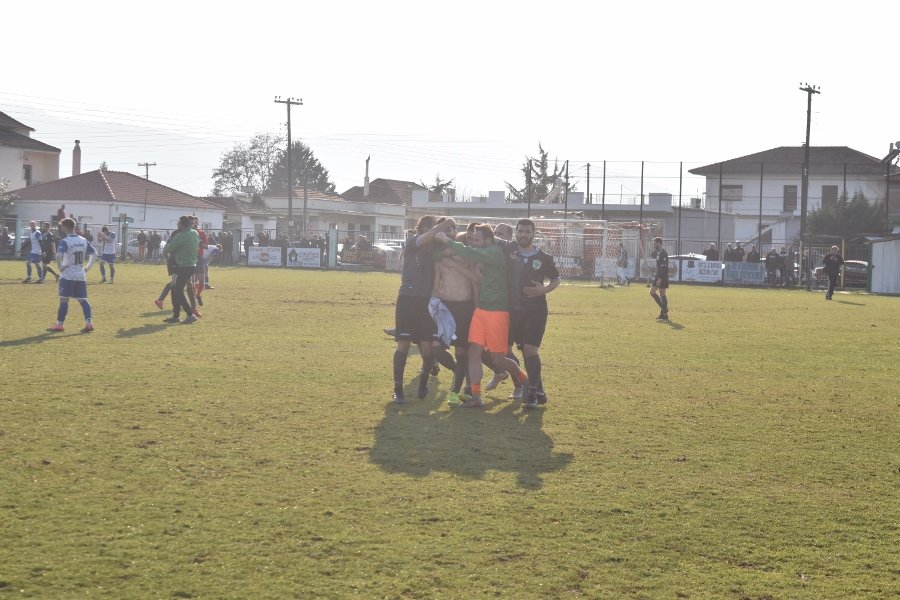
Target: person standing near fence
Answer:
pixel 621 265
pixel 661 281
pixel 832 261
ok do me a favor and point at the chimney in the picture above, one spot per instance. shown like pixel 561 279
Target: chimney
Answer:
pixel 76 159
pixel 366 180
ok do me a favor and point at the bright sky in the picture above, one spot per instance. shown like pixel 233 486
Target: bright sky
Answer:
pixel 466 89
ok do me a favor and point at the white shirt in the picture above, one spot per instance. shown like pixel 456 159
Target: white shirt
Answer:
pixel 35 237
pixel 107 243
pixel 71 254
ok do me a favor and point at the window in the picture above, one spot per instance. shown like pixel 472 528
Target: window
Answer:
pixel 829 195
pixel 732 193
pixel 790 198
pixel 26 174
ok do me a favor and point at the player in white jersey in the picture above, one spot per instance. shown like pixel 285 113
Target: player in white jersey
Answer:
pixel 202 277
pixel 107 241
pixel 70 256
pixel 34 255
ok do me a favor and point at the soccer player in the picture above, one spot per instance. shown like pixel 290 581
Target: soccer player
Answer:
pixel 34 254
pixel 413 321
pixel 529 268
pixel 70 256
pixel 48 251
pixel 489 330
pixel 832 261
pixel 107 241
pixel 661 280
pixel 184 248
pixel 454 285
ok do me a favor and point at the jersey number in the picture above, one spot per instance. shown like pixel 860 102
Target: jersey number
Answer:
pixel 79 257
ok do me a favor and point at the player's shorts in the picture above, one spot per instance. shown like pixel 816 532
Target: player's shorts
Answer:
pixel 490 329
pixel 34 258
pixel 72 289
pixel 661 281
pixel 527 327
pixel 46 259
pixel 108 258
pixel 462 313
pixel 412 320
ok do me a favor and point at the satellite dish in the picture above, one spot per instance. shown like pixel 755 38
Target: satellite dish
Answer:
pixel 897 145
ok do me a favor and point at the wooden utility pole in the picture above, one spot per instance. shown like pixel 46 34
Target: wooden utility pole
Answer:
pixel 290 182
pixel 146 166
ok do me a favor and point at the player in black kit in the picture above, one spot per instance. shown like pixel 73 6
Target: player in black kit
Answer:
pixel 413 322
pixel 529 268
pixel 661 282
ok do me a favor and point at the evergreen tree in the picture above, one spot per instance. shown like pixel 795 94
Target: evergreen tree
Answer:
pixel 847 219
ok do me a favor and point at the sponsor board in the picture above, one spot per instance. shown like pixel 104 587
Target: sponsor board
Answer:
pixel 742 272
pixel 264 256
pixel 304 257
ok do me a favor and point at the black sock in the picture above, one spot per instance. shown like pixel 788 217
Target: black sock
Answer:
pixel 512 356
pixel 656 299
pixel 399 366
pixel 445 359
pixel 166 290
pixel 533 368
pixel 460 373
pixel 665 303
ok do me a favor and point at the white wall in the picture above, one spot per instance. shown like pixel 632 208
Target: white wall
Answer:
pixel 44 166
pixel 157 217
pixel 886 267
pixel 11 160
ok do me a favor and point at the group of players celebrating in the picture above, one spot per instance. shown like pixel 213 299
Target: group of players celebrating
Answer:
pixel 481 295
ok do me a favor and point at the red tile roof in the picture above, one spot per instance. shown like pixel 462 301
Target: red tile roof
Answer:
pixel 114 186
pixel 388 191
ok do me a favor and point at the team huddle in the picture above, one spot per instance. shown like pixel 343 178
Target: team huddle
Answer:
pixel 481 295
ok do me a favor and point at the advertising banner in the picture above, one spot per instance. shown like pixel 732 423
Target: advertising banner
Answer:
pixel 701 271
pixel 304 257
pixel 264 256
pixel 746 273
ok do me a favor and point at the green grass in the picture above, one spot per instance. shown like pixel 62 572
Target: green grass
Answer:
pixel 748 449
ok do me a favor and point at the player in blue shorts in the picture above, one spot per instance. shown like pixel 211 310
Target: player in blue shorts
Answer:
pixel 107 241
pixel 70 256
pixel 34 255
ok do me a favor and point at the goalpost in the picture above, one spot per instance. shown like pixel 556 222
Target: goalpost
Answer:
pixel 585 251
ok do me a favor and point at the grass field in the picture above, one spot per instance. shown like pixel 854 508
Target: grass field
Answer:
pixel 749 449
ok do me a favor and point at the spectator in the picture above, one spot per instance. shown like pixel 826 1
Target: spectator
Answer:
pixel 728 255
pixel 712 253
pixel 5 241
pixel 771 266
pixel 738 254
pixel 753 255
pixel 248 243
pixel 790 260
pixel 142 244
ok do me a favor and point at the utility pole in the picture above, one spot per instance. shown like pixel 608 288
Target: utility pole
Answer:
pixel 528 185
pixel 589 201
pixel 804 184
pixel 290 182
pixel 146 166
pixel 566 196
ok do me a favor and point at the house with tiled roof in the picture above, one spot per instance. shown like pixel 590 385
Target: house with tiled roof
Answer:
pixel 106 197
pixel 382 216
pixel 25 161
pixel 389 191
pixel 244 214
pixel 762 191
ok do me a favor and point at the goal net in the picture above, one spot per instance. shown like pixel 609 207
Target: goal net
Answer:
pixel 586 252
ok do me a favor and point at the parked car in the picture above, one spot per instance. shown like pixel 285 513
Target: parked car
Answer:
pixel 133 249
pixel 856 273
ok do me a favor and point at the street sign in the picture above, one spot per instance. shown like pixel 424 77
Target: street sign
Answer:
pixel 121 219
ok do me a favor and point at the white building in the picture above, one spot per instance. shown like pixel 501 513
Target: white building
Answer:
pixel 766 187
pixel 107 197
pixel 25 161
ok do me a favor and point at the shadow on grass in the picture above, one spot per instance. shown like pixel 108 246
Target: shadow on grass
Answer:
pixel 672 324
pixel 851 303
pixel 35 339
pixel 425 436
pixel 142 330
